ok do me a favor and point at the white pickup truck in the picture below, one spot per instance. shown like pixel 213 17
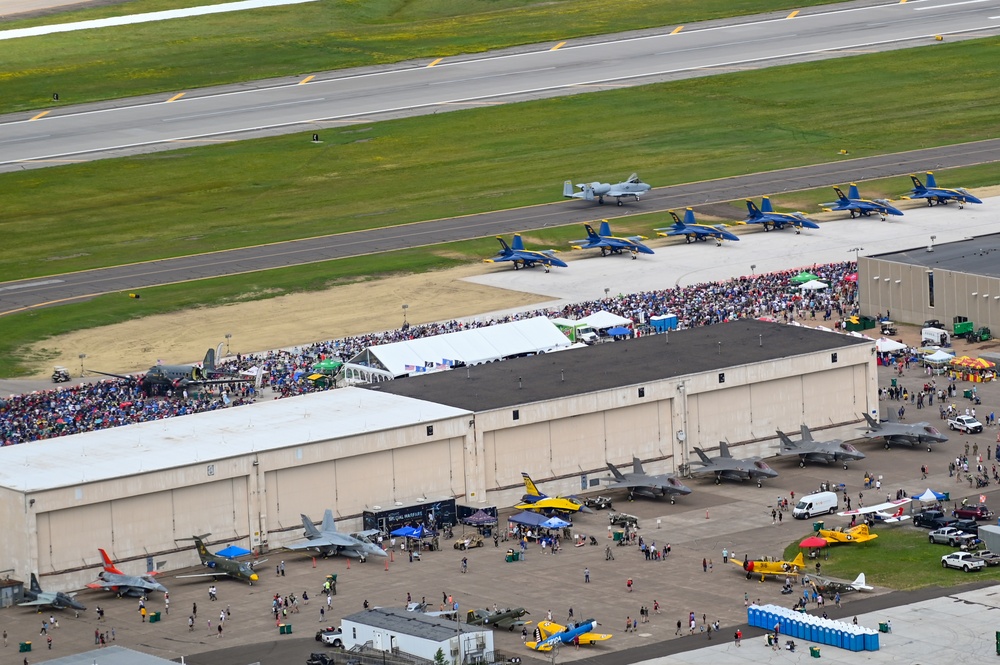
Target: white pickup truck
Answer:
pixel 966 424
pixel 966 561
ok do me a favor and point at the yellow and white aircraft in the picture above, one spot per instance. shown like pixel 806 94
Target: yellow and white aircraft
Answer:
pixel 793 568
pixel 549 634
pixel 854 534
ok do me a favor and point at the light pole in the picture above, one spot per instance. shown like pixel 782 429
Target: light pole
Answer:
pixel 229 336
pixel 753 268
pixel 82 357
pixel 405 307
pixel 606 291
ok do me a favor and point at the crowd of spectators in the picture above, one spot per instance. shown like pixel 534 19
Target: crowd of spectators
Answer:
pixel 114 402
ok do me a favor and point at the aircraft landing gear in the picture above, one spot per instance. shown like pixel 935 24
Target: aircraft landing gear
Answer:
pixel 928 448
pixel 802 464
pixel 672 500
pixel 620 202
pixel 718 243
pixel 717 481
pixel 797 230
pixel 759 484
pixel 887 445
pixel 845 466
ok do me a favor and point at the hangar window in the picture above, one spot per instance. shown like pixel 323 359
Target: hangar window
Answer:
pixel 642 392
pixel 211 469
pixel 430 430
pixel 517 414
pixel 722 377
pixel 833 357
pixel 930 288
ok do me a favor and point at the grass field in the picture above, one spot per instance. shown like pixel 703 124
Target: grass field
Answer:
pixel 189 53
pixel 900 558
pixel 168 204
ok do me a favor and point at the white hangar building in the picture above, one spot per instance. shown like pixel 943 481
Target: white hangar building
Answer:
pixel 245 474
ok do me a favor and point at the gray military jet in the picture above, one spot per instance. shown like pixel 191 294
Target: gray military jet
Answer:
pixel 642 484
pixel 115 580
pixel 507 619
pixel 55 599
pixel 807 449
pixel 330 542
pixel 726 467
pixel 590 191
pixel 894 432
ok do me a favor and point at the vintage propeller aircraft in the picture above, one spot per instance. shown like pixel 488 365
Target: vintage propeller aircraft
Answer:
pixel 854 534
pixel 159 379
pixel 548 634
pixel 792 568
pixel 507 619
pixel 533 499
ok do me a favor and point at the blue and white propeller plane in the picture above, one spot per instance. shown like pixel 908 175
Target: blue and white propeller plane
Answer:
pixel 939 195
pixel 692 231
pixel 548 634
pixel 859 206
pixel 766 216
pixel 598 190
pixel 524 258
pixel 609 244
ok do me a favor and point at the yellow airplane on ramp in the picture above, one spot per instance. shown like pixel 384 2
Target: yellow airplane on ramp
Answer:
pixel 533 499
pixel 775 568
pixel 855 534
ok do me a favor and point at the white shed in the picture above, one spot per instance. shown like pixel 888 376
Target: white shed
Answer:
pixel 416 634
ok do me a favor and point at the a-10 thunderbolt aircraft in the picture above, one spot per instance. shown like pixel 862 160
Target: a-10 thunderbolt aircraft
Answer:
pixel 692 231
pixel 939 195
pixel 859 206
pixel 590 191
pixel 769 219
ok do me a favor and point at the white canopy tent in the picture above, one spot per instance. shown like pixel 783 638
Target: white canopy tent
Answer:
pixel 886 345
pixel 603 320
pixel 467 347
pixel 939 357
pixel 814 285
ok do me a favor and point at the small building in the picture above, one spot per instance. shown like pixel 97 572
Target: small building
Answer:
pixel 417 634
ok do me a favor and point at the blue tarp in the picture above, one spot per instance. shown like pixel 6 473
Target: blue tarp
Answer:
pixel 555 523
pixel 232 552
pixel 619 331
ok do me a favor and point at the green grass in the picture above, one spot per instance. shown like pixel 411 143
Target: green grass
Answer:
pixel 900 558
pixel 284 41
pixel 232 195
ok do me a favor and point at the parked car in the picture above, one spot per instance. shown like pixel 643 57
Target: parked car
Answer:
pixel 991 558
pixel 334 638
pixel 598 502
pixel 933 323
pixel 968 526
pixel 933 519
pixel 946 536
pixel 964 560
pixel 966 424
pixel 974 511
pixel 468 541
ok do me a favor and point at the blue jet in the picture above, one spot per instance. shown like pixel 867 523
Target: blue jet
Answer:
pixel 598 190
pixel 548 634
pixel 770 219
pixel 859 206
pixel 524 258
pixel 692 231
pixel 939 195
pixel 609 244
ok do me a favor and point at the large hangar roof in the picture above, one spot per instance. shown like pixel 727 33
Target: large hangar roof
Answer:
pixel 176 442
pixel 472 347
pixel 976 256
pixel 612 365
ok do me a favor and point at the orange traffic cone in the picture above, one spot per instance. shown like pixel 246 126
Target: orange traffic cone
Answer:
pixel 706 513
pixel 387 565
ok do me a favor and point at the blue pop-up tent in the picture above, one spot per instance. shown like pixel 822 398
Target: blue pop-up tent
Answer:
pixel 232 552
pixel 528 519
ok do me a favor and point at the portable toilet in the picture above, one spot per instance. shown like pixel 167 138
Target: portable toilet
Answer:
pixel 871 641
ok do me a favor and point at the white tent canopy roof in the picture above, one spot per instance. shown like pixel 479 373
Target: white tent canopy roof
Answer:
pixel 814 285
pixel 939 356
pixel 603 320
pixel 471 347
pixel 886 345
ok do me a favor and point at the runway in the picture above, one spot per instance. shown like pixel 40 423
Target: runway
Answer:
pixel 71 287
pixel 254 109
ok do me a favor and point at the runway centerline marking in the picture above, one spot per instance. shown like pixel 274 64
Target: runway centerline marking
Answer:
pixel 950 4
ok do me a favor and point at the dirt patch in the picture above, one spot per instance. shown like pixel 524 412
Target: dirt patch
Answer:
pixel 281 322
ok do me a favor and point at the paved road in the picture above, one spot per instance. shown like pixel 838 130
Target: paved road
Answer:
pixel 16 296
pixel 417 88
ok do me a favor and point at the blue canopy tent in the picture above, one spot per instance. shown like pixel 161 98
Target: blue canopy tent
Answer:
pixel 619 331
pixel 527 519
pixel 233 551
pixel 408 532
pixel 555 523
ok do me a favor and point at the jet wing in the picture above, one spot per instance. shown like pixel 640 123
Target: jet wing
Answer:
pixel 877 508
pixel 510 623
pixel 549 628
pixel 40 602
pixel 324 540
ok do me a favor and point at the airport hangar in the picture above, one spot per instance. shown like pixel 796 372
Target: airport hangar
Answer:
pixel 960 278
pixel 245 474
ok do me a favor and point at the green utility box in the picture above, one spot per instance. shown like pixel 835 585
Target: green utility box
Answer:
pixel 814 652
pixel 818 525
pixel 26 646
pixel 154 617
pixel 964 328
pixel 284 629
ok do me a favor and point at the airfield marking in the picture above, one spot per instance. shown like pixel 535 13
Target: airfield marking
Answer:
pixel 176 97
pixel 435 62
pixel 793 14
pixel 306 80
pixel 950 4
pixel 677 29
pixel 40 115
pixel 558 46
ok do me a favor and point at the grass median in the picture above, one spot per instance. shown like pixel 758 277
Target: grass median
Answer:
pixel 250 192
pixel 186 53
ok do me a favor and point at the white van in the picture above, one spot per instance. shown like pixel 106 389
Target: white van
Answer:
pixel 820 503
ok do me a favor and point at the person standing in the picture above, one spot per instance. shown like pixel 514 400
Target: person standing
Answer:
pixel 586 575
pixel 725 555
pixel 704 565
pixel 191 624
pixel 678 631
pixel 738 636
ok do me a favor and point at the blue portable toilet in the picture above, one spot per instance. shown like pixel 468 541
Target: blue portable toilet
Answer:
pixel 663 323
pixel 857 641
pixel 871 641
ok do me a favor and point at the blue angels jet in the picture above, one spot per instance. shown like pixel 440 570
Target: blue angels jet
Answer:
pixel 609 244
pixel 939 195
pixel 524 258
pixel 770 219
pixel 598 190
pixel 548 634
pixel 859 206
pixel 692 231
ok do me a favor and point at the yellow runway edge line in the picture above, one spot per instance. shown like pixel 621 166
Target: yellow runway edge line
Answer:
pixel 40 115
pixel 793 14
pixel 176 97
pixel 306 80
pixel 435 62
pixel 558 46
pixel 677 29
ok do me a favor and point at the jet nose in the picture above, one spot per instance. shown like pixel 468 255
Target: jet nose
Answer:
pixel 585 509
pixel 254 578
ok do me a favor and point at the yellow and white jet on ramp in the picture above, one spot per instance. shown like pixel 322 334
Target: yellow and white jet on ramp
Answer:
pixel 535 500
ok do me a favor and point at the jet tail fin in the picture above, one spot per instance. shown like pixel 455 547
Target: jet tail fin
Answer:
pixel 689 217
pixel 328 523
pixel 209 362
pixel 591 233
pixel 724 449
pixel 605 228
pixel 931 180
pixel 872 423
pixel 677 220
pixel 918 187
pixel 309 526
pixel 529 485
pixel 568 189
pixel 588 192
pixel 704 458
pixel 840 194
pixel 765 205
pixel 852 192
pixel 35 586
pixel 753 212
pixel 504 248
pixel 806 434
pixel 614 470
pixel 517 243
pixel 108 563
pixel 637 465
pixel 786 443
